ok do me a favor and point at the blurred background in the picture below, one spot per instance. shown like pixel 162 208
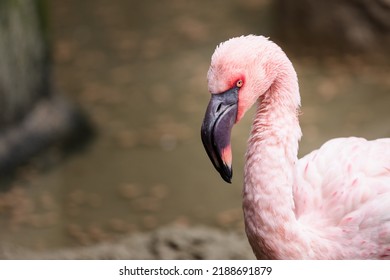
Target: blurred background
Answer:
pixel 101 104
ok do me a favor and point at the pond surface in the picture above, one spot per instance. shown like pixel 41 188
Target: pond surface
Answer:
pixel 138 69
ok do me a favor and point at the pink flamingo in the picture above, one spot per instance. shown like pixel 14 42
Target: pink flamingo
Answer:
pixel 334 203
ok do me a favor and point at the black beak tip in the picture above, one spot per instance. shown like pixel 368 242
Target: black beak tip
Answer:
pixel 227 180
pixel 226 173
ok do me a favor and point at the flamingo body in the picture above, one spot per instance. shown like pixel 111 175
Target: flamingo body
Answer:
pixel 342 190
pixel 334 203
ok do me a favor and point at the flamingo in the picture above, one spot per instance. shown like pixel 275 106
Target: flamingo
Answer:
pixel 333 203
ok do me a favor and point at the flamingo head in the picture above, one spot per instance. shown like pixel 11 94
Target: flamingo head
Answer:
pixel 240 72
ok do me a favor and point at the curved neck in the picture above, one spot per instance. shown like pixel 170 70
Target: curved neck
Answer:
pixel 268 203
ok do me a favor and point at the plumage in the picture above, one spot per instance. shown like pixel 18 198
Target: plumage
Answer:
pixel 333 203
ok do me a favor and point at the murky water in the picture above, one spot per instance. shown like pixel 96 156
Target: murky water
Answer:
pixel 138 69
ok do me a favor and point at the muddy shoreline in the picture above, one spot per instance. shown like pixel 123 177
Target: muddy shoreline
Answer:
pixel 168 243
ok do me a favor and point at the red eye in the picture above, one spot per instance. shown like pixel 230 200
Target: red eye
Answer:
pixel 239 83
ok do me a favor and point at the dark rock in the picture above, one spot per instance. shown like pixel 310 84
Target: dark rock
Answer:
pixel 53 120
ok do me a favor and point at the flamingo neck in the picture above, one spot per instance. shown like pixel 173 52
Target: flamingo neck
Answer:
pixel 268 203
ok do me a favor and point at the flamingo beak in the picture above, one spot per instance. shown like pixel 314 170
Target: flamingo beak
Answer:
pixel 216 129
